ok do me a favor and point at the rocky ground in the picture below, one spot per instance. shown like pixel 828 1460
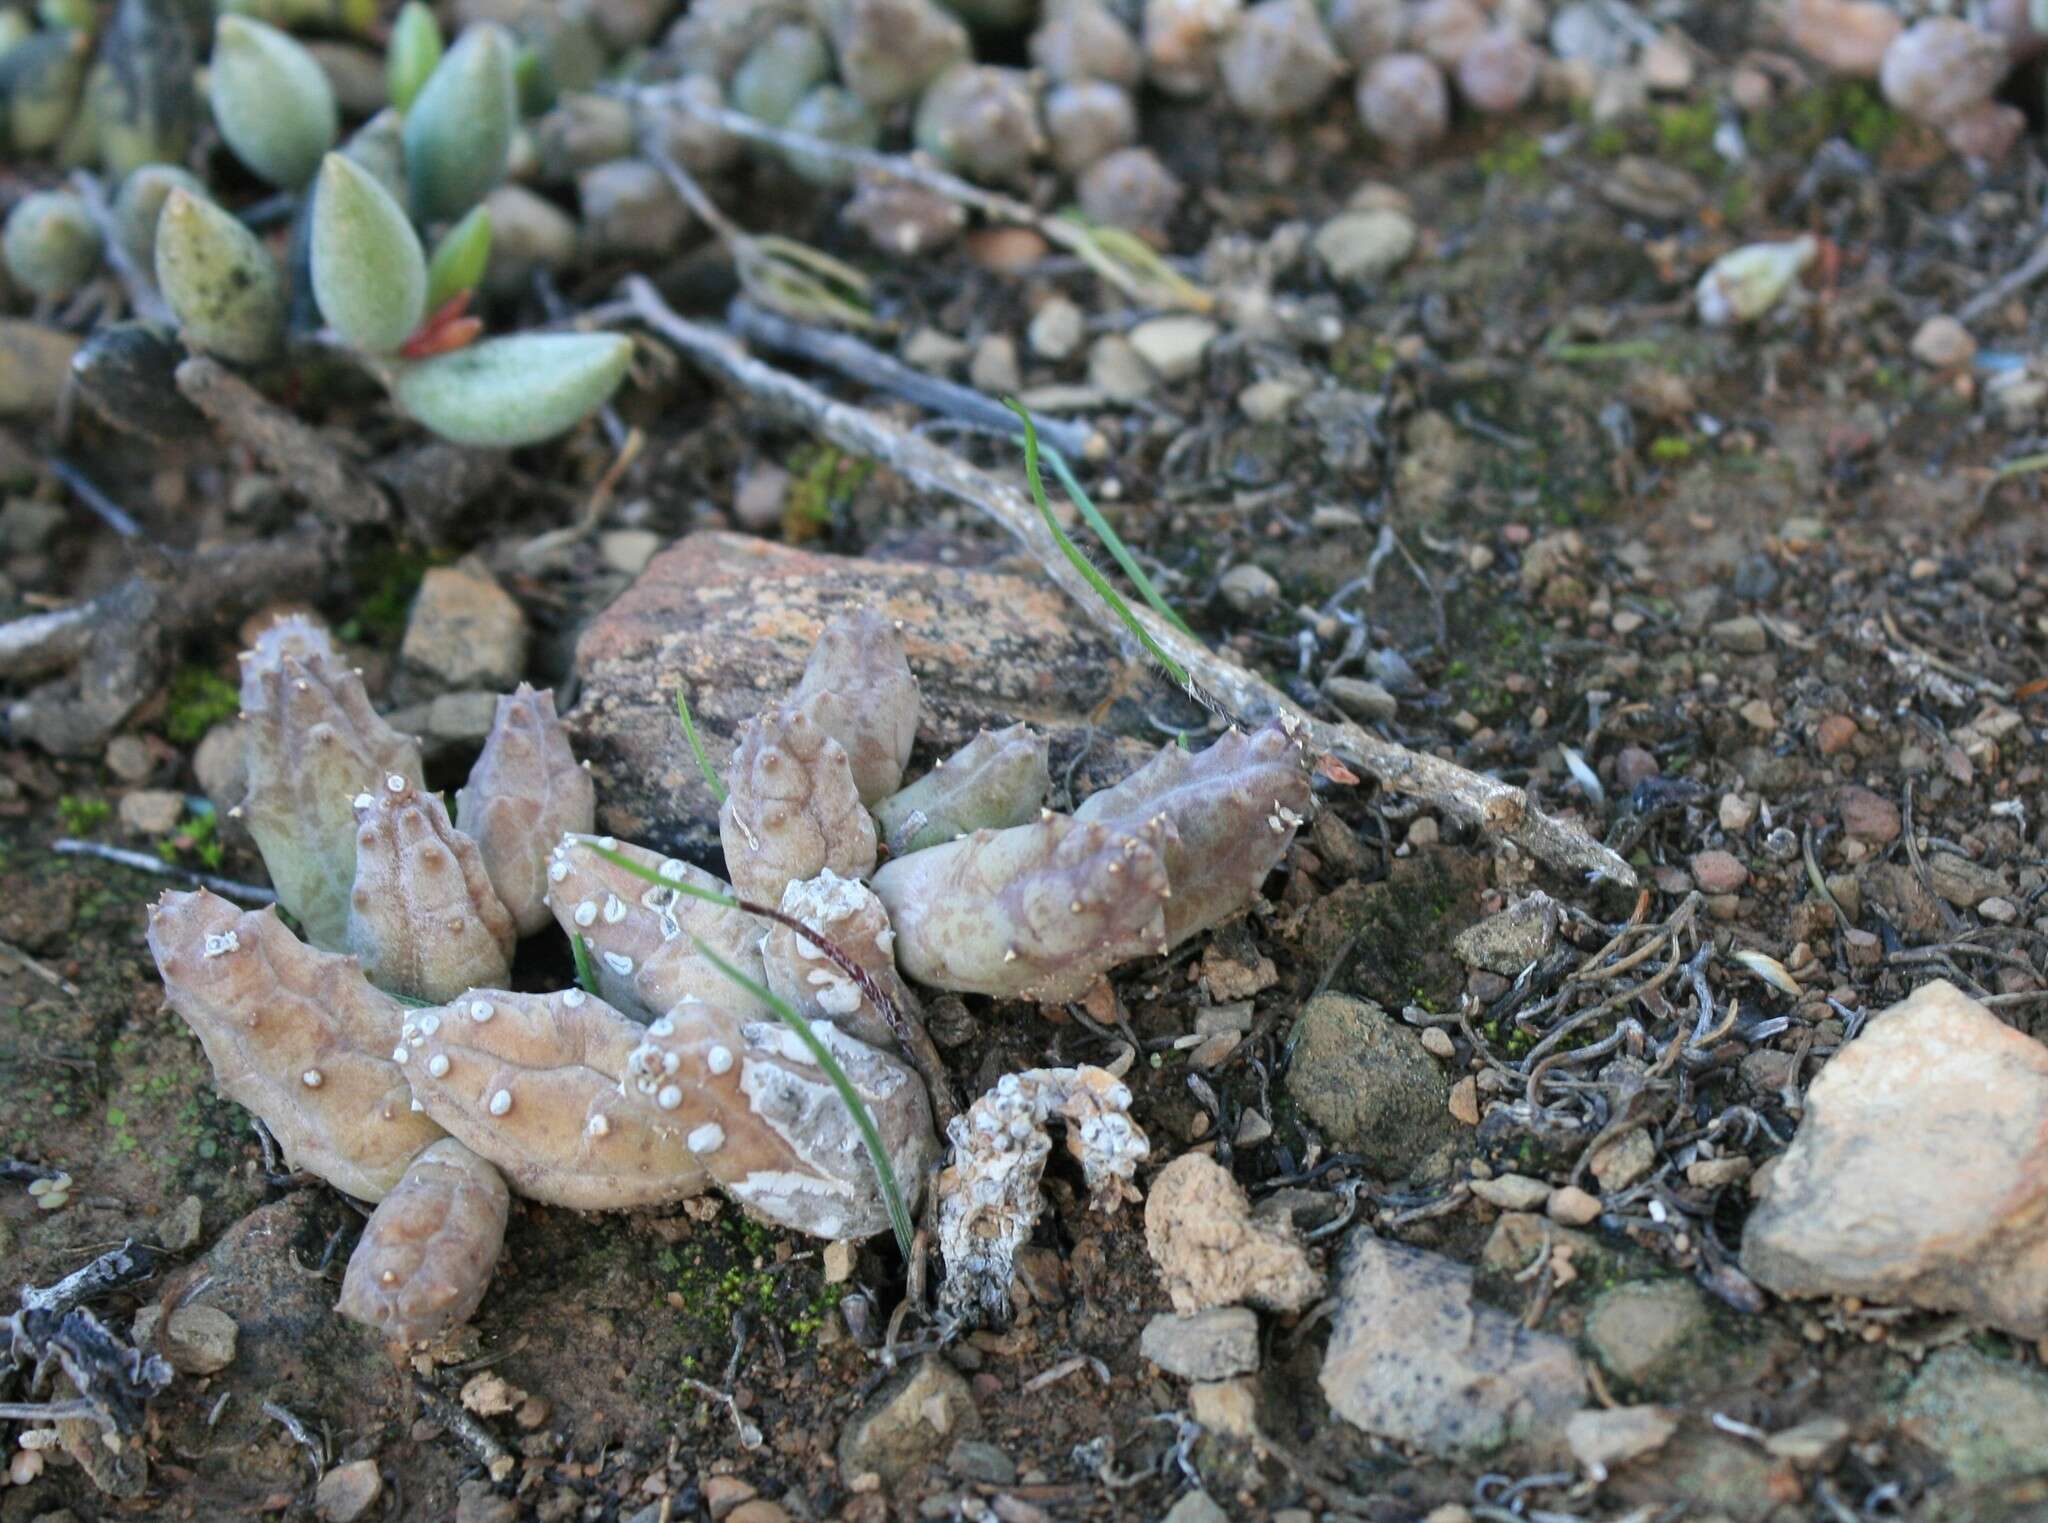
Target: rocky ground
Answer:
pixel 1476 1191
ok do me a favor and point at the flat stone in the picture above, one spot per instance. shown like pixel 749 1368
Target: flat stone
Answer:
pixel 1508 942
pixel 628 550
pixel 1249 589
pixel 1987 1419
pixel 994 368
pixel 1719 872
pixel 1962 882
pixel 914 1418
pixel 730 620
pixel 1369 1083
pixel 465 631
pixel 1227 1407
pixel 1512 1192
pixel 129 758
pixel 179 1230
pixel 1056 329
pixel 1117 371
pixel 973 1460
pixel 1602 1438
pixel 1196 1507
pixel 1174 345
pixel 199 1340
pixel 1745 635
pixel 348 1491
pixel 1624 1161
pixel 1920 1171
pixel 724 1493
pixel 1641 1330
pixel 1210 1345
pixel 1365 245
pixel 1413 1358
pixel 1365 701
pixel 1868 816
pixel 151 811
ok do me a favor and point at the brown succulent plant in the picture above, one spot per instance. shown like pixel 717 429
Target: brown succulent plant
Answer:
pixel 720 1048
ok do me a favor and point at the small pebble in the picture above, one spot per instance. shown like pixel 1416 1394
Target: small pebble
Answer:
pixel 1437 1042
pixel 1736 813
pixel 1057 329
pixel 1572 1206
pixel 1251 590
pixel 1719 872
pixel 1834 734
pixel 1944 344
pixel 348 1491
pixel 1512 1192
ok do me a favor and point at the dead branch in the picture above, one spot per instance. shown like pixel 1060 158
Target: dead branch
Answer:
pixel 1493 806
pixel 336 490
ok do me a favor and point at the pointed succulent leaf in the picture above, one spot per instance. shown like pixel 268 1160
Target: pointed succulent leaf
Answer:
pixel 458 130
pixel 312 744
pixel 792 809
pixel 296 1036
pixel 271 101
pixel 536 1084
pixel 426 1254
pixel 142 105
pixel 643 938
pixel 413 53
pixel 140 201
pixel 1037 912
pixel 524 793
pixel 378 146
pixel 422 915
pixel 1231 812
pixel 759 1114
pixel 996 780
pixel 221 283
pixel 50 244
pixel 460 258
pixel 39 84
pixel 857 687
pixel 779 71
pixel 508 392
pixel 369 273
pixel 845 911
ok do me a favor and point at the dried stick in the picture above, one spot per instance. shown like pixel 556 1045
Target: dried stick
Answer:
pixel 868 365
pixel 1493 806
pixel 316 471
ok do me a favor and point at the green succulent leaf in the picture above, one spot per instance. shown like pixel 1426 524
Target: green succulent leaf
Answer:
pixel 39 82
pixel 459 258
pixel 413 54
pixel 379 147
pixel 506 392
pixel 271 101
pixel 141 102
pixel 50 244
pixel 139 203
pixel 458 131
pixel 369 272
pixel 221 283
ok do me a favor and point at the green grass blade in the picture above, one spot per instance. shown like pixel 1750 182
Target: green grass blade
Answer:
pixel 586 974
pixel 870 1134
pixel 1112 541
pixel 1080 562
pixel 647 874
pixel 697 747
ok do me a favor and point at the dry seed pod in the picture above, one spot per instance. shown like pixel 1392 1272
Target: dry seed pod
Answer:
pixel 313 744
pixel 1846 37
pixel 1083 39
pixel 889 50
pixel 1036 912
pixel 1404 102
pixel 982 121
pixel 296 1036
pixel 643 938
pixel 1442 30
pixel 988 1195
pixel 423 915
pixel 427 1252
pixel 1181 41
pixel 858 688
pixel 1499 72
pixel 792 810
pixel 533 1082
pixel 1230 811
pixel 998 779
pixel 1940 67
pixel 1088 120
pixel 1366 29
pixel 1129 189
pixel 848 914
pixel 756 1111
pixel 524 794
pixel 1278 62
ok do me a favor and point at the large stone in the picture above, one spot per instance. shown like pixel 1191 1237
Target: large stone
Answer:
pixel 1920 1173
pixel 1642 1331
pixel 465 631
pixel 730 621
pixel 1368 1082
pixel 1413 1358
pixel 1986 1418
pixel 1508 942
pixel 915 1418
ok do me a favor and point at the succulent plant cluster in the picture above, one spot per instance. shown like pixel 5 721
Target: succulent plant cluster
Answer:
pixel 392 1056
pixel 353 258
